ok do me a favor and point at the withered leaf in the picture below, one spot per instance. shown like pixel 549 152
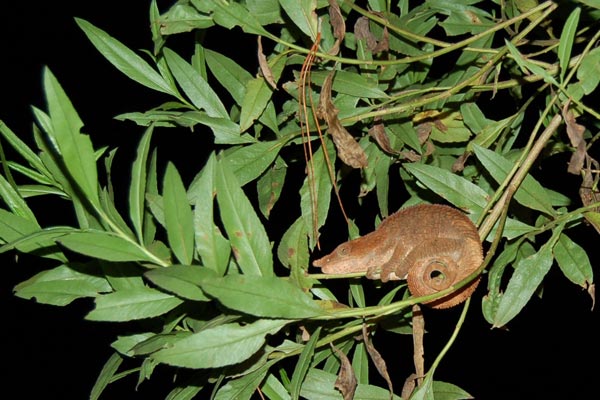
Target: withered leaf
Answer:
pixel 378 361
pixel 575 132
pixel 362 31
pixel 377 132
pixel 348 149
pixel 346 381
pixel 589 191
pixel 265 69
pixel 409 386
pixel 418 323
pixel 339 26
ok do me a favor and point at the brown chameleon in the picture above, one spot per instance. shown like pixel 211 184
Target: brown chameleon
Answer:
pixel 431 246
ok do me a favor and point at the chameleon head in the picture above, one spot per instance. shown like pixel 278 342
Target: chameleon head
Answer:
pixel 353 256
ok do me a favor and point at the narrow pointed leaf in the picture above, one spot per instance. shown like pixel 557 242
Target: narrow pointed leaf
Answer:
pixel 109 370
pixel 261 296
pixel 75 148
pixel 457 190
pixel 137 188
pixel 217 347
pixel 565 45
pixel 573 261
pixel 230 75
pixel 246 233
pixel 132 304
pixel 105 246
pixel 194 86
pixel 530 194
pixel 15 202
pixel 178 216
pixel 213 248
pixel 303 364
pixel 526 278
pixel 181 280
pixel 61 286
pixel 124 59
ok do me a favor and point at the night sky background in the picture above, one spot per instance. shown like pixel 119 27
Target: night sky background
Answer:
pixel 549 351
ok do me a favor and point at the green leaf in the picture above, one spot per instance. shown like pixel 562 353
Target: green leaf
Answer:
pixel 531 193
pixel 270 185
pixel 321 385
pixel 245 387
pixel 23 150
pixel 181 280
pixel 132 304
pixel 261 296
pixel 529 273
pixel 75 149
pixel 61 286
pixel 528 65
pixel 293 248
pixel 274 389
pixel 105 246
pixel 183 18
pixel 302 13
pixel 588 72
pixel 315 193
pixel 109 370
pixel 573 261
pixel 256 97
pixel 351 83
pixel 448 391
pixel 137 187
pixel 15 202
pixel 246 233
pixel 266 11
pixel 233 14
pixel 249 162
pixel 457 190
pixel 213 248
pixel 125 60
pixel 194 86
pixel 303 364
pixel 225 130
pixel 567 37
pixel 13 226
pixel 178 216
pixel 217 347
pixel 229 74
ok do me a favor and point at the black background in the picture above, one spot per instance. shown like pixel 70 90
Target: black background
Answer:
pixel 50 352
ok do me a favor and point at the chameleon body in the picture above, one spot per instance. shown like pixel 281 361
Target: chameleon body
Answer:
pixel 431 246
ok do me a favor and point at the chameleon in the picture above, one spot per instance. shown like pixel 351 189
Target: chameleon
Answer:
pixel 432 246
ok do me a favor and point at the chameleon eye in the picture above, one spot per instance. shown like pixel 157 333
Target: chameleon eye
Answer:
pixel 343 250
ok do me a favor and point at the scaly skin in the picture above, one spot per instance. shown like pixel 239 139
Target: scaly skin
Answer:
pixel 432 246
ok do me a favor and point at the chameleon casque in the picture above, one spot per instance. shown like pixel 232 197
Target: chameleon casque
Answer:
pixel 432 246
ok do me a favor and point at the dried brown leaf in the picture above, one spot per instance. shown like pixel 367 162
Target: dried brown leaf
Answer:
pixel 377 132
pixel 418 323
pixel 362 31
pixel 338 24
pixel 410 155
pixel 346 381
pixel 378 361
pixel 589 192
pixel 409 386
pixel 592 292
pixel 459 164
pixel 265 69
pixel 575 132
pixel 348 149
